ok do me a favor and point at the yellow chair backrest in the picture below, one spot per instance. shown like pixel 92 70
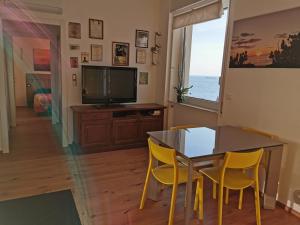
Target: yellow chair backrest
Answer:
pixel 236 160
pixel 261 132
pixel 162 154
pixel 183 127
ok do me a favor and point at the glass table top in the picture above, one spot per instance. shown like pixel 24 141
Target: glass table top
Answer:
pixel 203 141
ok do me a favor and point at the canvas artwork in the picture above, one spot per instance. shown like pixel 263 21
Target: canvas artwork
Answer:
pixel 141 56
pixel 41 59
pixel 141 38
pixel 96 52
pixel 120 54
pixel 74 62
pixel 85 57
pixel 74 30
pixel 143 78
pixel 268 41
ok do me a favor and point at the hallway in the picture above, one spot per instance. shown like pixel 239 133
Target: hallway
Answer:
pixel 33 137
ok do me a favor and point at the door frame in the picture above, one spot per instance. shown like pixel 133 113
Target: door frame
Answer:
pixel 56 20
pixel 4 132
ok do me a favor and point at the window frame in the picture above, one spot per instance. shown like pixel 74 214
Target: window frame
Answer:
pixel 200 102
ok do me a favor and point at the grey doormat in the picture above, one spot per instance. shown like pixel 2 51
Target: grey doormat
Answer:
pixel 57 208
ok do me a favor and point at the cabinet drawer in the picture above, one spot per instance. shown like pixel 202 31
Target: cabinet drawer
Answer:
pixel 95 116
pixel 96 133
pixel 125 131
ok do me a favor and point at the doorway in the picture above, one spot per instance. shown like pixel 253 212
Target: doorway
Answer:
pixel 32 56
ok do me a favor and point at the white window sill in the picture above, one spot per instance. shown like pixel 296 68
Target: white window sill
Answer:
pixel 195 107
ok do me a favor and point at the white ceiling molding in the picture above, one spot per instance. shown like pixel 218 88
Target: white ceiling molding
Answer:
pixel 32 6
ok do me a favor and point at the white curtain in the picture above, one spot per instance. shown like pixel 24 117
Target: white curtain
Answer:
pixel 210 10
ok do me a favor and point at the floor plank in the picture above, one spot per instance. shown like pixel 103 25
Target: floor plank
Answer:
pixel 107 186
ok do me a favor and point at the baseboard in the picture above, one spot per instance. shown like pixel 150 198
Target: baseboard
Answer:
pixel 288 209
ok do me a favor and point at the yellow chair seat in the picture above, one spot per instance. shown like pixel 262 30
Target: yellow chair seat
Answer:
pixel 165 174
pixel 234 179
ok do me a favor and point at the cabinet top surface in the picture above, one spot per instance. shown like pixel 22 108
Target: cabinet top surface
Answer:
pixel 92 108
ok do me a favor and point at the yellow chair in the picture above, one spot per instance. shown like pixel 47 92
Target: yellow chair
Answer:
pixel 265 159
pixel 260 132
pixel 170 174
pixel 232 175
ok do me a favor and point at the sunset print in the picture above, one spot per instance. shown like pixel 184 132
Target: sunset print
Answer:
pixel 41 59
pixel 271 41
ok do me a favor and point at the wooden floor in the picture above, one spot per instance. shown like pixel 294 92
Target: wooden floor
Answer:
pixel 106 186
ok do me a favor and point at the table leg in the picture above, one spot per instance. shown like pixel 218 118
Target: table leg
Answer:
pixel 154 189
pixel 188 209
pixel 272 177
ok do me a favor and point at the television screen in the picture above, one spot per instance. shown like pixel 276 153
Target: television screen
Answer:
pixel 122 85
pixel 105 85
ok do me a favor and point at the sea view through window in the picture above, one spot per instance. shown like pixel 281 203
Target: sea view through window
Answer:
pixel 207 49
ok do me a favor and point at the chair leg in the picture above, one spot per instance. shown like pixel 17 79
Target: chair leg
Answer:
pixel 257 204
pixel 144 195
pixel 173 204
pixel 200 196
pixel 214 190
pixel 241 198
pixel 227 196
pixel 220 204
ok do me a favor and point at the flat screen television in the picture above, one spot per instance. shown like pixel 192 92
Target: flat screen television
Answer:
pixel 108 85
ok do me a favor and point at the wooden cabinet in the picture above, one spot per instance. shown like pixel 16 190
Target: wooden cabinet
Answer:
pixel 97 132
pixel 149 124
pixel 110 128
pixel 125 131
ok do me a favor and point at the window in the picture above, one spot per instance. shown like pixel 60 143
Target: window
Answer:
pixel 206 59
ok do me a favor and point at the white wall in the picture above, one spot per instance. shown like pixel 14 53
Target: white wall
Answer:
pixel 267 99
pixel 23 63
pixel 121 19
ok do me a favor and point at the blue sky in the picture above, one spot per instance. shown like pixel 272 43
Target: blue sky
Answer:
pixel 207 47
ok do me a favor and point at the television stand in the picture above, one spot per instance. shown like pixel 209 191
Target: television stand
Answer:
pixel 108 106
pixel 113 127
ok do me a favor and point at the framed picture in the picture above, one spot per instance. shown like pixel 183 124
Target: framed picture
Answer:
pixel 96 52
pixel 143 78
pixel 74 62
pixel 141 55
pixel 95 29
pixel 141 38
pixel 120 54
pixel 85 57
pixel 41 59
pixel 74 47
pixel 74 30
pixel 258 43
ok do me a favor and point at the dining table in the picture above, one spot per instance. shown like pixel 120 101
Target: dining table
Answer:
pixel 202 144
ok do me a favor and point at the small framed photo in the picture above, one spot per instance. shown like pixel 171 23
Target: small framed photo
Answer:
pixel 96 52
pixel 74 30
pixel 141 38
pixel 143 78
pixel 120 54
pixel 95 29
pixel 74 62
pixel 85 57
pixel 141 55
pixel 74 47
